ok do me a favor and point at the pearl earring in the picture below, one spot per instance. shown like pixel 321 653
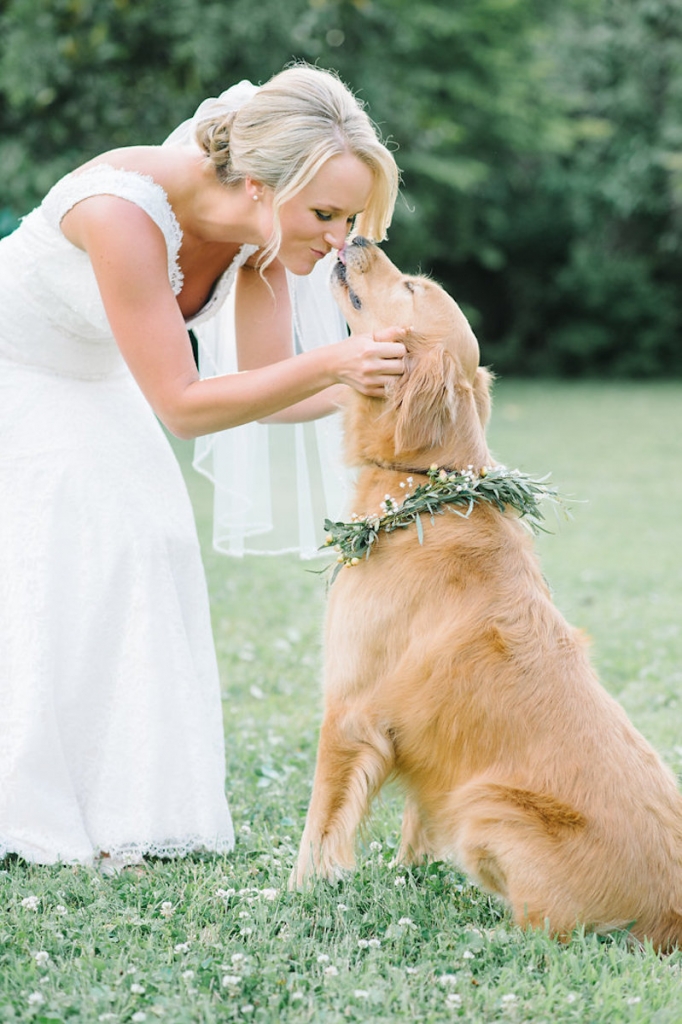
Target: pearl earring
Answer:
pixel 255 198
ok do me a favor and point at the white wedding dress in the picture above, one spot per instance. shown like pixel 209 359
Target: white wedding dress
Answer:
pixel 111 736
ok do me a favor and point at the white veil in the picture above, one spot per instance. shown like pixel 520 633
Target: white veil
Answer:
pixel 274 484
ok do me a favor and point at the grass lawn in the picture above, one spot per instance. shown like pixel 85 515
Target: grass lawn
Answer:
pixel 221 939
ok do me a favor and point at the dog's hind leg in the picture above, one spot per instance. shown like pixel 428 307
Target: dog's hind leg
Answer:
pixel 415 846
pixel 354 759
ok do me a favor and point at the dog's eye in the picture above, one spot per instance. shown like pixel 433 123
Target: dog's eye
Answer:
pixel 409 285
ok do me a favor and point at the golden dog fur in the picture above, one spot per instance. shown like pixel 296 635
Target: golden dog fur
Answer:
pixel 448 667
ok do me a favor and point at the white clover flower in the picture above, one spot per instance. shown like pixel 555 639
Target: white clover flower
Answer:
pixel 243 914
pixel 375 847
pixel 360 993
pixel 406 922
pixel 137 990
pixel 508 999
pixel 61 910
pixel 363 943
pixel 36 999
pixel 107 1016
pixel 238 958
pixel 447 979
pixel 454 999
pixel 270 894
pixel 411 970
pixel 247 1008
pixel 231 981
pixel 166 909
pixel 374 943
pixel 31 902
pixel 331 971
pixel 246 932
pixel 182 947
pixel 633 1000
pixel 41 958
pixel 139 1017
pixel 571 997
pixel 323 958
pixel 468 955
pixel 131 970
pixel 341 907
pixel 400 880
pixel 224 894
pixel 245 830
pixel 187 975
pixel 295 996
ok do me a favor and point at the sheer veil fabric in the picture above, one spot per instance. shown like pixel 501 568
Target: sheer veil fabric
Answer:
pixel 274 484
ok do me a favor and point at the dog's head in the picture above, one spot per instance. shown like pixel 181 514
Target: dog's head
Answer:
pixel 437 411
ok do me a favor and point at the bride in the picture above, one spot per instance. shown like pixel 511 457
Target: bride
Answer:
pixel 111 740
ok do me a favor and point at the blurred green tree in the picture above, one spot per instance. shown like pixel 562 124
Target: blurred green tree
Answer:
pixel 541 144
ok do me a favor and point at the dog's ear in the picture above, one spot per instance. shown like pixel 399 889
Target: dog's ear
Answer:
pixel 483 382
pixel 426 400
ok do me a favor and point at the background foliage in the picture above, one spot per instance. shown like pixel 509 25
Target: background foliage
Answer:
pixel 540 143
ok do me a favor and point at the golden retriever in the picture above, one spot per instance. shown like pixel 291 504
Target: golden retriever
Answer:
pixel 448 667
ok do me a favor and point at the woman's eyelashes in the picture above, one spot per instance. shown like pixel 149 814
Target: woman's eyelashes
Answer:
pixel 327 217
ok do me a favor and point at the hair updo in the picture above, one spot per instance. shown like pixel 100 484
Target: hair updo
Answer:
pixel 287 130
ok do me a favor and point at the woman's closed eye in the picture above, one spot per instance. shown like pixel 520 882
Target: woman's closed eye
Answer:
pixel 327 217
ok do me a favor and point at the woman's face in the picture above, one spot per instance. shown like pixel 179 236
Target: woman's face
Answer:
pixel 319 218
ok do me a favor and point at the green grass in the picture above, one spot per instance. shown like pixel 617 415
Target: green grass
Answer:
pixel 220 939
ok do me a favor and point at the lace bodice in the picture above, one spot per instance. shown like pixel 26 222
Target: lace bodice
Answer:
pixel 53 315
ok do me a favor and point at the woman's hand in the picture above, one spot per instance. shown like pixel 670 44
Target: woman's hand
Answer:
pixel 368 362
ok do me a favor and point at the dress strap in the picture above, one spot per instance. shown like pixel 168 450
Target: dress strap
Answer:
pixel 141 189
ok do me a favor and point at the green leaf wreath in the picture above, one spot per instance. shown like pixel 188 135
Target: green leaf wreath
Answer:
pixel 455 491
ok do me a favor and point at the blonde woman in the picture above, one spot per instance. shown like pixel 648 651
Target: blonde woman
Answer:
pixel 111 738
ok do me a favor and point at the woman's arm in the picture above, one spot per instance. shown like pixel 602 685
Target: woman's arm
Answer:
pixel 128 254
pixel 263 331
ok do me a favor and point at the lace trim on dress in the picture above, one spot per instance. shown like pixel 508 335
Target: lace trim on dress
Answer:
pixel 222 287
pixel 103 179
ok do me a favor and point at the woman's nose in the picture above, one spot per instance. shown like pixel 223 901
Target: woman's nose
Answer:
pixel 336 236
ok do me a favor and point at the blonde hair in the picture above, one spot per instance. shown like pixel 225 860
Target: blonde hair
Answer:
pixel 284 134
